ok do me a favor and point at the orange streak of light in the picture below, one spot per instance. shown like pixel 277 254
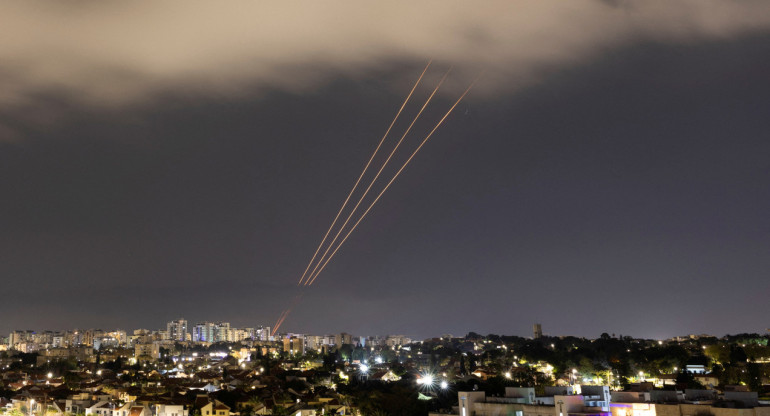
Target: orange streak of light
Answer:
pixel 279 322
pixel 286 313
pixel 366 192
pixel 363 172
pixel 312 279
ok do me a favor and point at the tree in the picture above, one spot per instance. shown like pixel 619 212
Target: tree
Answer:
pixel 280 410
pixel 688 380
pixel 737 355
pixel 754 377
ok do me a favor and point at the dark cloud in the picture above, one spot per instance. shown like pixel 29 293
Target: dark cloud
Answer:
pixel 114 53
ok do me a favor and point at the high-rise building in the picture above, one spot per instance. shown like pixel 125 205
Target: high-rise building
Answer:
pixel 223 332
pixel 213 332
pixel 261 333
pixel 177 330
pixel 18 337
pixel 395 340
pixel 343 339
pixel 204 332
pixel 87 337
pixel 294 345
pixel 537 331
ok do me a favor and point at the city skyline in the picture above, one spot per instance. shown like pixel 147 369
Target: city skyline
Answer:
pixel 606 180
pixel 198 331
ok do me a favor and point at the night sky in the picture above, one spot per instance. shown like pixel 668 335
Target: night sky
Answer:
pixel 609 173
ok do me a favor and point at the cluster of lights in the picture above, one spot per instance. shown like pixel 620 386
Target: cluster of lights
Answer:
pixel 428 381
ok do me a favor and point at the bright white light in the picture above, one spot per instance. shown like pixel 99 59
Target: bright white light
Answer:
pixel 378 360
pixel 363 368
pixel 50 375
pixel 444 385
pixel 427 379
pixel 507 375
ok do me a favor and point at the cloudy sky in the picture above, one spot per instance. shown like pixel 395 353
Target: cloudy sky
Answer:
pixel 609 172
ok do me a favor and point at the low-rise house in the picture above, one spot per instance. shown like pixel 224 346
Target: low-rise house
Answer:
pixel 104 408
pixel 137 410
pixel 170 409
pixel 215 408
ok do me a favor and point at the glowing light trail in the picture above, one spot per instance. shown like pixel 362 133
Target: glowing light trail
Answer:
pixel 368 188
pixel 285 314
pixel 342 208
pixel 279 321
pixel 315 276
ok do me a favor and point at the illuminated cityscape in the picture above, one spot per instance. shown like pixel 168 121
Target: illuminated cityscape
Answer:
pixel 248 371
pixel 399 208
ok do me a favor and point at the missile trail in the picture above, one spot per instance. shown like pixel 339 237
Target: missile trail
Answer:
pixel 366 192
pixel 286 313
pixel 313 277
pixel 278 324
pixel 363 172
pixel 279 321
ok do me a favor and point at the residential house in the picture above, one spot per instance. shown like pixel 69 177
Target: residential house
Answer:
pixel 215 408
